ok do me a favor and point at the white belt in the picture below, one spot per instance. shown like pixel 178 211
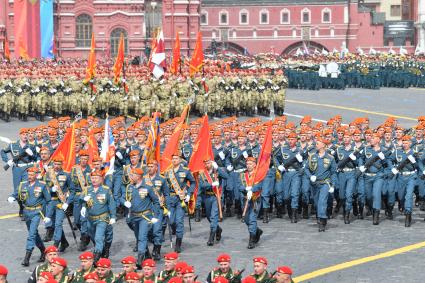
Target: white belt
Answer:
pixel 240 170
pixel 348 169
pixel 370 174
pixel 291 170
pixel 408 173
pixel 25 164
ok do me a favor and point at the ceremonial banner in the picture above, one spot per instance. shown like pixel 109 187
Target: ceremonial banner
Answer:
pixel 46 29
pixel 197 60
pixel 66 150
pixel 176 56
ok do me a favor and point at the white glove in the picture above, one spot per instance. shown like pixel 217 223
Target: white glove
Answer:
pixel 423 172
pixel 29 152
pixel 313 178
pixel 214 165
pixel 46 220
pixel 119 155
pixel 249 188
pixel 10 162
pixel 222 155
pixel 54 189
pixel 215 184
pixel 362 169
pixel 331 189
pixel 112 221
pixel 352 156
pixel 187 198
pixel 332 152
pixel 37 149
pixel 168 213
pixel 65 206
pixel 83 212
pixel 381 155
pixel 229 168
pixel 249 195
pixel 395 171
pixel 87 198
pixel 154 220
pixel 127 204
pixel 281 168
pixel 412 159
pixel 245 154
pixel 299 157
pixel 11 199
pixel 45 167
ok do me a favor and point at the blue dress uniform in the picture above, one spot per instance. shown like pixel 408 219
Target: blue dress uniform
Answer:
pixel 121 159
pixel 323 168
pixel 373 178
pixel 22 157
pixel 290 188
pixel 78 190
pixel 346 178
pixel 144 207
pixel 100 208
pixel 237 166
pixel 221 157
pixel 251 213
pixel 54 208
pixel 177 180
pixel 306 189
pixel 389 187
pixel 405 166
pixel 159 186
pixel 419 150
pixel 206 182
pixel 33 197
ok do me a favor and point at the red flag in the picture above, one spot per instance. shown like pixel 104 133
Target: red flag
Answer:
pixel 176 56
pixel 119 61
pixel 158 63
pixel 91 66
pixel 66 150
pixel 202 150
pixel 173 143
pixel 152 151
pixel 153 47
pixel 93 148
pixel 6 50
pixel 263 162
pixel 197 60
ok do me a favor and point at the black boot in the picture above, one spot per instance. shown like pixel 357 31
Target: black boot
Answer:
pixel 368 211
pixel 408 220
pixel 279 210
pixel 26 261
pixel 218 234
pixel 178 247
pixel 294 218
pixel 96 257
pixel 355 208
pixel 322 224
pixel 42 257
pixel 211 238
pixel 156 253
pixel 49 234
pixel 57 244
pixel 360 216
pixel 228 208
pixel 64 243
pixel 376 217
pixel 305 210
pixel 337 207
pixel 347 217
pixel 84 242
pixel 422 204
pixel 390 212
pixel 266 215
pixel 258 235
pixel 288 208
pixel 140 259
pixel 251 243
pixel 197 215
pixel 106 250
pixel 148 253
pixel 238 209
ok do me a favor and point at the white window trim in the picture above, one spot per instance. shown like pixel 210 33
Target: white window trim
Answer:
pixel 268 16
pixel 326 10
pixel 289 17
pixel 227 17
pixel 244 11
pixel 306 10
pixel 206 13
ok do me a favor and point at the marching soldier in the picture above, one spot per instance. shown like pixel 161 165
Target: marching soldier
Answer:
pixel 100 209
pixel 50 252
pixel 104 269
pixel 170 261
pixel 148 270
pixel 33 194
pixel 181 184
pixel 86 267
pixel 224 270
pixel 283 275
pixel 59 270
pixel 210 184
pixel 260 271
pixel 128 266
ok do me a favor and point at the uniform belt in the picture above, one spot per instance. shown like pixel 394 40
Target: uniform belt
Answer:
pixel 142 213
pixel 100 216
pixel 239 170
pixel 78 193
pixel 291 170
pixel 33 207
pixel 25 164
pixel 348 169
pixel 370 174
pixel 210 193
pixel 54 198
pixel 325 181
pixel 173 194
pixel 408 173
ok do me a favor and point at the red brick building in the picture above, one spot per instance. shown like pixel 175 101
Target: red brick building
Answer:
pixel 250 26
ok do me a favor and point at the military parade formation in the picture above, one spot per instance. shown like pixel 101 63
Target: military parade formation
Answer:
pixel 315 170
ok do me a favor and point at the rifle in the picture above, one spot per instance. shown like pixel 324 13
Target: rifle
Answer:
pixel 170 233
pixel 15 160
pixel 368 164
pixel 403 164
pixel 237 276
pixel 345 161
pixel 62 198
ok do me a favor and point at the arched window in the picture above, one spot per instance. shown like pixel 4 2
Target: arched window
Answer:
pixel 326 15
pixel 285 16
pixel 84 29
pixel 115 41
